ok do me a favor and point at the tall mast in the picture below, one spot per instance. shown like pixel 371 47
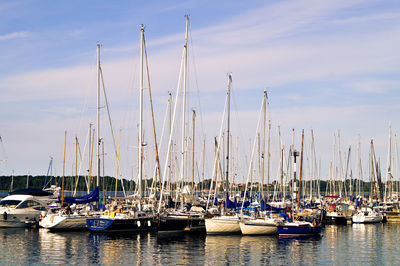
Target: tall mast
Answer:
pixel 98 117
pixel 371 170
pixel 269 144
pixel 140 151
pixel 63 173
pixel 301 171
pixel 185 68
pixel 194 116
pixel 228 134
pixel 263 148
pixel 171 144
pixel 359 166
pixel 389 165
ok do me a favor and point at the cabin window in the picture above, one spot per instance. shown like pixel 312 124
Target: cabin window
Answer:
pixel 9 203
pixel 40 208
pixel 28 204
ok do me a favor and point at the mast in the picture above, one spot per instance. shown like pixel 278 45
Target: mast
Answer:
pixel 359 166
pixel 140 151
pixel 263 149
pixel 171 144
pixel 63 173
pixel 371 170
pixel 389 165
pixel 301 171
pixel 98 117
pixel 228 134
pixel 194 116
pixel 76 164
pixel 185 68
pixel 269 144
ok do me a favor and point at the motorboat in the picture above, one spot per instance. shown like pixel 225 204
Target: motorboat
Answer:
pixel 21 211
pixel 367 215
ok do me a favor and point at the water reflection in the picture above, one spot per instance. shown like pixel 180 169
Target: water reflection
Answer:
pixel 344 245
pixel 222 249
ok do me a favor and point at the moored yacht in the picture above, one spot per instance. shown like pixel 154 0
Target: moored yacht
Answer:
pixel 367 215
pixel 21 211
pixel 224 224
pixel 259 226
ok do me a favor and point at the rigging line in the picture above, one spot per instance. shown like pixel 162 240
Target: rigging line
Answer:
pixel 252 153
pixel 128 117
pixel 85 106
pixel 152 113
pixel 236 113
pixel 196 80
pixel 162 130
pixel 170 136
pixel 111 126
pixel 216 160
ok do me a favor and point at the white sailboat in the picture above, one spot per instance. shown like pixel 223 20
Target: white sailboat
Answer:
pixel 66 219
pixel 259 226
pixel 227 223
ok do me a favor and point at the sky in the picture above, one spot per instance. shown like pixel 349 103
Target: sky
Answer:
pixel 328 66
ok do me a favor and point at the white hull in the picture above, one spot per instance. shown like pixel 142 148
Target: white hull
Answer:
pixel 14 224
pixel 64 222
pixel 258 227
pixel 367 215
pixel 223 225
pixel 20 211
pixel 367 219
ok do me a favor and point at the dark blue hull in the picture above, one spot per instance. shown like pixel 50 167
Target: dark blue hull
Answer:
pixel 181 223
pixel 292 230
pixel 121 225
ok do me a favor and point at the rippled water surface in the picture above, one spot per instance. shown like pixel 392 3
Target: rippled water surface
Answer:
pixel 340 245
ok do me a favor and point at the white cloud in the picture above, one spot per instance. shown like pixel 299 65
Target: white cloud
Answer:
pixel 14 35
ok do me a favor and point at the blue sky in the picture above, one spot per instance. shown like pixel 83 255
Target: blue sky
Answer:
pixel 327 65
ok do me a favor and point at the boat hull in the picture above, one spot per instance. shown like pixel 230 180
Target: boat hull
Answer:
pixel 18 220
pixel 121 224
pixel 335 220
pixel 294 230
pixel 181 223
pixel 223 225
pixel 366 220
pixel 258 228
pixel 55 222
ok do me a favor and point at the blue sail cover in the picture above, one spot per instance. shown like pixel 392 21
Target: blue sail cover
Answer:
pixel 235 205
pixel 272 208
pixel 91 197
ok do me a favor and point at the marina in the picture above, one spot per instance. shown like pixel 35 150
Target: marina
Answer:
pixel 151 135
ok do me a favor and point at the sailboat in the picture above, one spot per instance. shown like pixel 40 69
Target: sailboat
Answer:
pixel 261 223
pixel 228 222
pixel 75 219
pixel 306 223
pixel 129 218
pixel 171 219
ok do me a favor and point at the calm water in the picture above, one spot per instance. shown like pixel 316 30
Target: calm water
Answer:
pixel 344 245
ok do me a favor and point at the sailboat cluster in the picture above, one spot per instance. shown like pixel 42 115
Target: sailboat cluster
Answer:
pixel 293 206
